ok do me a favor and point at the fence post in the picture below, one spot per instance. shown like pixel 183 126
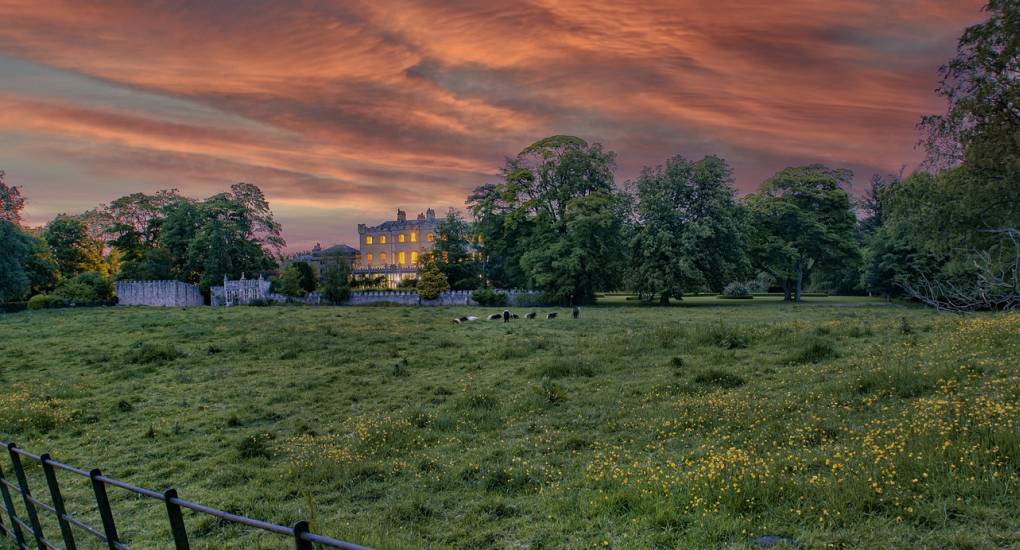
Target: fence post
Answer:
pixel 26 494
pixel 173 510
pixel 58 501
pixel 103 502
pixel 300 543
pixel 19 537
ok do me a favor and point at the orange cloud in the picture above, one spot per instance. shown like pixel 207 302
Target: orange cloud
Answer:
pixel 362 106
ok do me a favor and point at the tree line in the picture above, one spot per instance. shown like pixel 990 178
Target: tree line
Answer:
pixel 947 235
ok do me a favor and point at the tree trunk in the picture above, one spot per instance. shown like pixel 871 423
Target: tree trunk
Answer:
pixel 664 299
pixel 800 279
pixel 786 290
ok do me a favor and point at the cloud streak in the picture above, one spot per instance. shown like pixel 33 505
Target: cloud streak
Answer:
pixel 354 108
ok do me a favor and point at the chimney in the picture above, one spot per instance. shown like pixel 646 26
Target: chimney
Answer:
pixel 430 214
pixel 401 215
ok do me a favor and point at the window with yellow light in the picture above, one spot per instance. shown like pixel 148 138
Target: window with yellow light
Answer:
pixel 382 239
pixel 368 239
pixel 414 237
pixel 403 258
pixel 400 238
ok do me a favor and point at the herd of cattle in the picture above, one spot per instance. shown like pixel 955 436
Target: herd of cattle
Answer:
pixel 507 315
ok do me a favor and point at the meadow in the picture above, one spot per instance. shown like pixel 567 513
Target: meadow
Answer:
pixel 841 423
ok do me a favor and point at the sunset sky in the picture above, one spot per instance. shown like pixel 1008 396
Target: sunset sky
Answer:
pixel 341 111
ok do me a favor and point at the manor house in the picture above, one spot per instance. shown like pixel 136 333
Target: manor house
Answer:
pixel 392 249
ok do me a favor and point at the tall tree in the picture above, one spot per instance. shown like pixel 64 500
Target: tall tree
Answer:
pixel 453 252
pixel 15 282
pixel 802 218
pixel 11 202
pixel 688 232
pixel 334 284
pixel 555 221
pixel 74 249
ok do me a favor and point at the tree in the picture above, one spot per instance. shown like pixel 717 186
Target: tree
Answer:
pixel 73 249
pixel 432 282
pixel 289 283
pixel 802 218
pixel 335 281
pixel 453 254
pixel 11 202
pixel 308 280
pixel 688 232
pixel 555 221
pixel 17 248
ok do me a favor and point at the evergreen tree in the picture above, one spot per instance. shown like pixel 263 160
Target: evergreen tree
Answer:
pixel 432 282
pixel 335 281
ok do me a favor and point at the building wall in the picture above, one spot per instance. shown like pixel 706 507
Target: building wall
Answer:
pixel 158 293
pixel 394 248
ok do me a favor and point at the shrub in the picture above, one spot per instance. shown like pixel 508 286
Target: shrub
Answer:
pixel 407 283
pixel 13 307
pixel 737 289
pixel 89 286
pixel 45 301
pixel 489 297
pixel 432 282
pixel 146 352
pixel 719 379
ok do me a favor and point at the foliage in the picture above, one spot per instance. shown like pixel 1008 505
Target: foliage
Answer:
pixel 453 254
pixel 335 282
pixel 555 222
pixel 73 248
pixel 431 281
pixel 17 248
pixel 289 283
pixel 688 233
pixel 11 202
pixel 801 220
pixel 308 280
pixel 489 297
pixel 737 289
pixel 45 301
pixel 89 286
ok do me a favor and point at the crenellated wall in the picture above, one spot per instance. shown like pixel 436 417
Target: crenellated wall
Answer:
pixel 158 293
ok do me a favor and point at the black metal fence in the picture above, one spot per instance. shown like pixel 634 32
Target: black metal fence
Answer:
pixel 26 535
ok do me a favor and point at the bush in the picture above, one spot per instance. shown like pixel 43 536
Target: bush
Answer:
pixel 432 282
pixel 489 297
pixel 408 284
pixel 737 289
pixel 85 287
pixel 723 336
pixel 45 301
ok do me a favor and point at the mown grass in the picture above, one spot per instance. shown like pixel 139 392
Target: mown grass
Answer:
pixel 704 425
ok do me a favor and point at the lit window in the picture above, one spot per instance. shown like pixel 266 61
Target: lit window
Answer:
pixel 403 259
pixel 369 257
pixel 400 238
pixel 382 239
pixel 382 257
pixel 368 239
pixel 414 237
pixel 414 256
pixel 431 237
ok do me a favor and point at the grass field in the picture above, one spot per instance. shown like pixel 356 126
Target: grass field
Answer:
pixel 843 423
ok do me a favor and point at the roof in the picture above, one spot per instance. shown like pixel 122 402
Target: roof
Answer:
pixel 339 249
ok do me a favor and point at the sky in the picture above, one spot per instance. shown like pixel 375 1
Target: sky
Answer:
pixel 342 111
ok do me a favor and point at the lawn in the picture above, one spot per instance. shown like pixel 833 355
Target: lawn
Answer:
pixel 842 423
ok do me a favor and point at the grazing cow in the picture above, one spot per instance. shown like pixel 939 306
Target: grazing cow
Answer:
pixel 577 312
pixel 506 315
pixel 531 315
pixel 456 321
pixel 495 317
pixel 550 315
pixel 514 316
pixel 464 319
pixel 472 318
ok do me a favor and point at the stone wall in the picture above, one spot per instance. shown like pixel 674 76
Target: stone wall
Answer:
pixel 448 298
pixel 158 293
pixel 364 297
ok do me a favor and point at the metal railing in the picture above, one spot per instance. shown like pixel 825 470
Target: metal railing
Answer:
pixel 16 531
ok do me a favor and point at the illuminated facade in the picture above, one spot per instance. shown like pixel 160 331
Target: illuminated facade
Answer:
pixel 392 249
